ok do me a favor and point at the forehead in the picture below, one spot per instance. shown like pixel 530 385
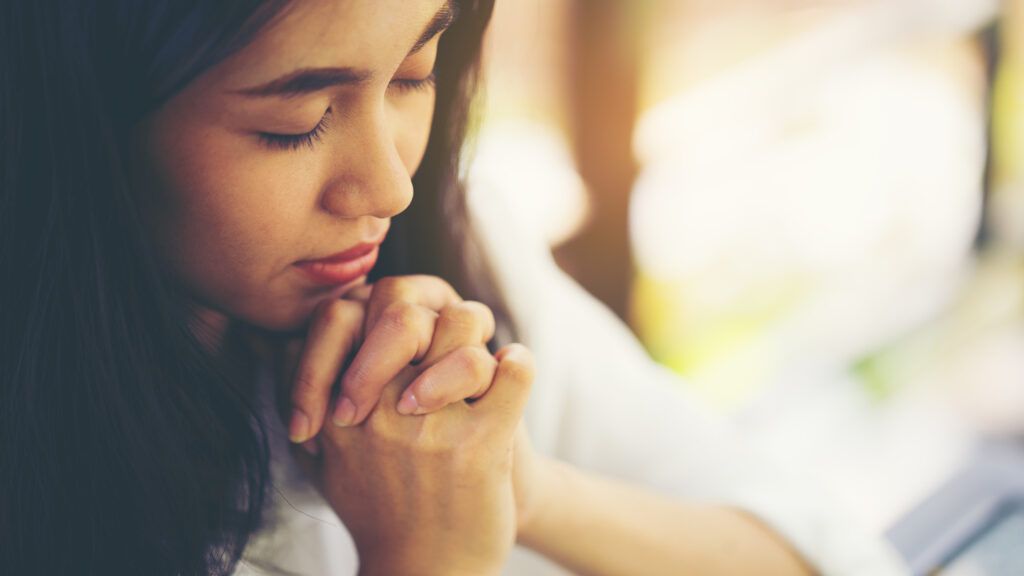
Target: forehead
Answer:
pixel 367 34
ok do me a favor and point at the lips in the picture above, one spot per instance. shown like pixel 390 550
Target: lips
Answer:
pixel 337 271
pixel 343 267
pixel 348 255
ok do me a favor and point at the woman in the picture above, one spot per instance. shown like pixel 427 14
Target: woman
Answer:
pixel 208 217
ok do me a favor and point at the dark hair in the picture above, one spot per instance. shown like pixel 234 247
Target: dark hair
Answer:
pixel 434 235
pixel 125 446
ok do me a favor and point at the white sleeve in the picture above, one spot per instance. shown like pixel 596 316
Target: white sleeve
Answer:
pixel 601 404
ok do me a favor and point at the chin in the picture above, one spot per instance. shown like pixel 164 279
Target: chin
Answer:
pixel 274 317
pixel 292 320
pixel 293 316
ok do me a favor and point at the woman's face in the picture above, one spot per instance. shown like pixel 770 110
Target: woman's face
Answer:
pixel 297 148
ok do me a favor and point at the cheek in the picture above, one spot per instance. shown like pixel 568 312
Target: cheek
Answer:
pixel 227 220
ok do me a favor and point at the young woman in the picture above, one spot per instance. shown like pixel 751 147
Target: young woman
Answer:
pixel 227 346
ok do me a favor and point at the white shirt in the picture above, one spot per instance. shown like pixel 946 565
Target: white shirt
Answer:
pixel 600 403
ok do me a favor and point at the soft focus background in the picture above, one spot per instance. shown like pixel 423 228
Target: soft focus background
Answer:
pixel 813 210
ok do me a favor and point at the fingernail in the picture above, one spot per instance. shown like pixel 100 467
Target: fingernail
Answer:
pixel 298 429
pixel 408 404
pixel 345 415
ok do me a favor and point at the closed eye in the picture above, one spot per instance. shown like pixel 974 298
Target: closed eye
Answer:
pixel 296 141
pixel 311 138
pixel 414 84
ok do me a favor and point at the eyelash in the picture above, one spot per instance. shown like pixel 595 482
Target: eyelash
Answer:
pixel 311 138
pixel 296 141
pixel 421 84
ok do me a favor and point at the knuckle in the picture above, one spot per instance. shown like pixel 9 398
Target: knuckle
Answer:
pixel 359 388
pixel 398 315
pixel 457 317
pixel 479 309
pixel 355 385
pixel 478 362
pixel 427 284
pixel 517 365
pixel 392 288
pixel 386 283
pixel 437 281
pixel 516 372
pixel 305 388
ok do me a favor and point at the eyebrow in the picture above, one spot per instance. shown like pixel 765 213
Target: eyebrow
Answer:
pixel 307 80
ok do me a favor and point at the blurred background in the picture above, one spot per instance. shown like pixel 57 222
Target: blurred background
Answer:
pixel 812 210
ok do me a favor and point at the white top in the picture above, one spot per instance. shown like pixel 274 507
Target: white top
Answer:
pixel 601 404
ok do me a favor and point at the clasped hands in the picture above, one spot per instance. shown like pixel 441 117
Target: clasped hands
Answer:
pixel 375 394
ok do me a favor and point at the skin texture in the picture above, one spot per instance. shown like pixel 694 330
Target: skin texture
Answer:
pixel 231 216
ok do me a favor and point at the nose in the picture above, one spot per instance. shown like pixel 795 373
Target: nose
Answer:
pixel 370 178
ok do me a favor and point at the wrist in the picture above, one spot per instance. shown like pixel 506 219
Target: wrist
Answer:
pixel 555 481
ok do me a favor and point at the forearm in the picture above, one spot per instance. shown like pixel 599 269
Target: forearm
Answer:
pixel 602 527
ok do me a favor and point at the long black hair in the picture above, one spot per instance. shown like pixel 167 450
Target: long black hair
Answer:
pixel 126 447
